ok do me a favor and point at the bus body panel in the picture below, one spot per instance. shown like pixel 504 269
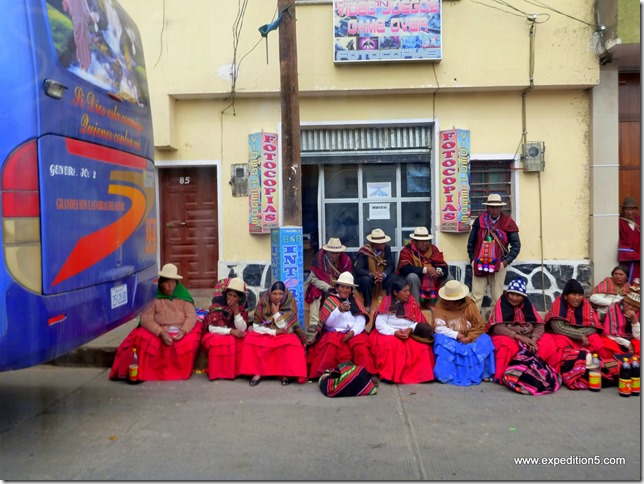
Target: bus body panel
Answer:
pixel 96 213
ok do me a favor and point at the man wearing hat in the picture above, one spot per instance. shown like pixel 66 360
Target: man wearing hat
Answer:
pixel 327 265
pixel 423 266
pixel 622 325
pixel 374 264
pixel 492 246
pixel 628 252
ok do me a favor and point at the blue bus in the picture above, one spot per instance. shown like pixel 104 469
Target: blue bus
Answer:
pixel 78 196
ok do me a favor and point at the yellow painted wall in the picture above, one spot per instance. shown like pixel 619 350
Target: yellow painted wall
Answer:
pixel 484 69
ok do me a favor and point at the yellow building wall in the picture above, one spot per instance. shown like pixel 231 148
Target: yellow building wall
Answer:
pixel 485 67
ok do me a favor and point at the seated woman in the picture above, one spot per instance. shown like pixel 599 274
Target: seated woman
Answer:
pixel 622 325
pixel 226 324
pixel 167 340
pixel 514 322
pixel 343 335
pixel 573 324
pixel 401 339
pixel 611 290
pixel 275 344
pixel 464 354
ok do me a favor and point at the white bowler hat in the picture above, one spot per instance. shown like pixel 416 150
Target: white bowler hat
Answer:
pixel 377 236
pixel 334 245
pixel 345 279
pixel 169 271
pixel 421 233
pixel 453 291
pixel 494 200
pixel 236 284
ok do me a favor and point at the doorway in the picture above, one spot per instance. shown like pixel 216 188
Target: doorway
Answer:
pixel 189 225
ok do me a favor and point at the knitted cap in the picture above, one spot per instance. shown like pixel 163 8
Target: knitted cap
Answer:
pixel 633 296
pixel 573 287
pixel 518 286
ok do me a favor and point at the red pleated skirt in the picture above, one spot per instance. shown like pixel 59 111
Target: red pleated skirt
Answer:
pixel 224 355
pixel 331 349
pixel 551 347
pixel 611 348
pixel 401 361
pixel 504 350
pixel 157 361
pixel 266 355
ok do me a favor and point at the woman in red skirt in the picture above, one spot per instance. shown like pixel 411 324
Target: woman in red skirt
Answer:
pixel 226 323
pixel 573 323
pixel 401 340
pixel 343 335
pixel 167 340
pixel 275 345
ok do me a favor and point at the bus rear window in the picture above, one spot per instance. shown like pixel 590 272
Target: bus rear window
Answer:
pixel 97 41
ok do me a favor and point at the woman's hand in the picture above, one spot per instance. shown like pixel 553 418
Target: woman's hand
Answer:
pixel 237 333
pixel 529 342
pixel 584 340
pixel 234 308
pixel 464 339
pixel 345 306
pixel 275 308
pixel 348 336
pixel 166 339
pixel 178 335
pixel 402 334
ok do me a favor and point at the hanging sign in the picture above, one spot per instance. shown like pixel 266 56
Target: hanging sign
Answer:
pixel 263 184
pixel 387 30
pixel 454 180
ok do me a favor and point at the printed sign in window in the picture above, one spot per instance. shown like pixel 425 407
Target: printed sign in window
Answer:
pixel 379 211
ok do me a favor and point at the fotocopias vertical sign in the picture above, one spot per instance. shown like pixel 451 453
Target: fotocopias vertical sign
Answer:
pixel 263 183
pixel 454 180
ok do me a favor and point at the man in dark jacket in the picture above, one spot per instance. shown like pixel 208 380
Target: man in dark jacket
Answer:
pixel 374 264
pixel 492 246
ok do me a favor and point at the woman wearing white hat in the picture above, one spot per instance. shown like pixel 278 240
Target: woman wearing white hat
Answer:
pixel 167 340
pixel 343 336
pixel 226 322
pixel 327 265
pixel 464 354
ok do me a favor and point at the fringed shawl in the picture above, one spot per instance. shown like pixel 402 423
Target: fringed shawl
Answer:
pixel 498 229
pixel 219 313
pixel 504 312
pixel 324 270
pixel 334 301
pixel 409 310
pixel 377 263
pixel 582 316
pixel 288 309
pixel 457 318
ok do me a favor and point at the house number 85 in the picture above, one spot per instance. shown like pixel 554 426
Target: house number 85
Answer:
pixel 184 180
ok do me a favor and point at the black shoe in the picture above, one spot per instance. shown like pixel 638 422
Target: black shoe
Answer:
pixel 286 381
pixel 254 381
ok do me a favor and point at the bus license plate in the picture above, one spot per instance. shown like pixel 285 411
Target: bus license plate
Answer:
pixel 119 296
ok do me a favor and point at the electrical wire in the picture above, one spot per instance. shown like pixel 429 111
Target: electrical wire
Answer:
pixel 538 3
pixel 161 38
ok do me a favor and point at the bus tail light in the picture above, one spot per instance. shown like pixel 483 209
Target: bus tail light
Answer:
pixel 21 216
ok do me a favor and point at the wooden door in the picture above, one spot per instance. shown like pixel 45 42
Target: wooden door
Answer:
pixel 629 135
pixel 189 223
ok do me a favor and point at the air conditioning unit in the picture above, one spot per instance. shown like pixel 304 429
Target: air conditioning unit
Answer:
pixel 532 157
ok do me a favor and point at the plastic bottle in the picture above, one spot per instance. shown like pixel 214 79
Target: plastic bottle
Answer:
pixel 635 377
pixel 594 374
pixel 625 381
pixel 133 369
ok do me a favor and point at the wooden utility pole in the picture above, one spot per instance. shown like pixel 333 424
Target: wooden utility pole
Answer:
pixel 291 164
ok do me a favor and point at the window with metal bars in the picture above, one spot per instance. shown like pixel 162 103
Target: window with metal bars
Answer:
pixel 489 176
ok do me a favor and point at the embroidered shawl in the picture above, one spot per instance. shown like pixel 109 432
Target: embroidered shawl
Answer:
pixel 616 323
pixel 377 263
pixel 457 318
pixel 411 255
pixel 219 313
pixel 498 229
pixel 288 309
pixel 324 270
pixel 608 286
pixel 334 301
pixel 582 316
pixel 504 312
pixel 410 310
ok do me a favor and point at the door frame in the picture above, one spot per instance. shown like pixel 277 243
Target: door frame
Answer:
pixel 160 165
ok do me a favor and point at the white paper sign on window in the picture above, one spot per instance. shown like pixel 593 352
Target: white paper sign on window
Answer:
pixel 379 211
pixel 379 190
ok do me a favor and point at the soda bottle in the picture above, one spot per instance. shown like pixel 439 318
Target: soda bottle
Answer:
pixel 594 374
pixel 625 381
pixel 133 369
pixel 635 377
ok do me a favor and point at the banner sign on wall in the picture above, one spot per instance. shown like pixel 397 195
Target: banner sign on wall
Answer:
pixel 263 187
pixel 454 180
pixel 387 30
pixel 287 263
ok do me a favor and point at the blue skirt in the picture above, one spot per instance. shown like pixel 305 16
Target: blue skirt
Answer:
pixel 463 364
